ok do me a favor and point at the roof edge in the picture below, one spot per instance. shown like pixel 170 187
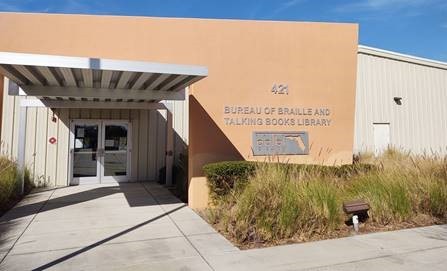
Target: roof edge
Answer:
pixel 401 57
pixel 55 61
pixel 224 19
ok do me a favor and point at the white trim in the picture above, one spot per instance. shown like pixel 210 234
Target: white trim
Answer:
pixel 105 79
pixel 11 76
pixel 102 93
pixel 88 104
pixel 49 75
pixel 174 82
pixel 100 64
pixel 28 74
pixel 100 177
pixel 401 57
pixel 126 178
pixel 187 84
pixel 82 180
pixel 169 147
pixel 124 79
pixel 68 77
pixel 168 106
pixel 87 76
pixel 21 147
pixel 158 81
pixel 141 80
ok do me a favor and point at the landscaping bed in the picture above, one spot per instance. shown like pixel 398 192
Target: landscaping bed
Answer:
pixel 263 204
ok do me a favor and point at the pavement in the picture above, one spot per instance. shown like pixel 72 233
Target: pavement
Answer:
pixel 142 226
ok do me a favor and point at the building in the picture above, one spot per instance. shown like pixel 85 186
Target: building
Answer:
pixel 94 99
pixel 400 102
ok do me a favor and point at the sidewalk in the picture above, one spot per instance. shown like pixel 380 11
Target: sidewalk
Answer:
pixel 412 249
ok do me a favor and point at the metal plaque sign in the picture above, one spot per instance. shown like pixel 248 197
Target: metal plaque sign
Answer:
pixel 280 143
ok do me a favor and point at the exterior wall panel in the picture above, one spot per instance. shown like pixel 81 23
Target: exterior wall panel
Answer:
pixel 63 135
pixel 151 150
pixel 419 123
pixel 7 122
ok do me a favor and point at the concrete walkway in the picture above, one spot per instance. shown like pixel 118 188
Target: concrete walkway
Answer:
pixel 144 227
pixel 105 227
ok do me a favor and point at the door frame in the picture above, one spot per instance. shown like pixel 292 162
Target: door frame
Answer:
pixel 113 179
pixel 378 150
pixel 100 178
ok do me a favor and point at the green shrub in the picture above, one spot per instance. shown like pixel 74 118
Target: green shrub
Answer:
pixel 224 176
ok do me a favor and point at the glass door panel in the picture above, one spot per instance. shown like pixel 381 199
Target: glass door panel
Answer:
pixel 115 160
pixel 85 152
pixel 115 164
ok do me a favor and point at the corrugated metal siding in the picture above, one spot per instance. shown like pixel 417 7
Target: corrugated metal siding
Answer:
pixel 49 163
pixel 418 125
pixel 180 111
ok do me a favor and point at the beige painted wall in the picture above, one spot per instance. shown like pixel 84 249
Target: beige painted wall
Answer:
pixel 244 58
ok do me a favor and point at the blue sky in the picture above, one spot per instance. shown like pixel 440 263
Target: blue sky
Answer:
pixel 417 27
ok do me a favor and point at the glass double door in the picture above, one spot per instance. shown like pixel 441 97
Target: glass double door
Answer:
pixel 100 151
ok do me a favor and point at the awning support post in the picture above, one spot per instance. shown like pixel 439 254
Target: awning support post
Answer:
pixel 21 148
pixel 169 145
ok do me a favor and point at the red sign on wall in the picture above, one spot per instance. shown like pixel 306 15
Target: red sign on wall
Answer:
pixel 52 140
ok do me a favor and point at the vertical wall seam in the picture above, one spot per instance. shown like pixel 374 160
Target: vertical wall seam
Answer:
pixel 150 126
pixel 139 146
pixel 157 145
pixel 12 126
pixel 57 147
pixel 46 144
pixel 34 147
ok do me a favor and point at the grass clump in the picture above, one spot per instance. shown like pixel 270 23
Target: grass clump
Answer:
pixel 388 196
pixel 8 181
pixel 277 203
pixel 297 202
pixel 9 185
pixel 438 199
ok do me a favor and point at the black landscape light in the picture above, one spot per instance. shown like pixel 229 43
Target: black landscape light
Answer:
pixel 398 100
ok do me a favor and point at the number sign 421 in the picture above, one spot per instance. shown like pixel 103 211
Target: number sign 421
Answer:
pixel 280 89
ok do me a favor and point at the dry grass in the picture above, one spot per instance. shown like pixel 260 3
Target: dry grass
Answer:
pixel 8 181
pixel 9 186
pixel 281 203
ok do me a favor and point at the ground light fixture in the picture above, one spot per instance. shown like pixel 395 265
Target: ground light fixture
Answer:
pixel 355 222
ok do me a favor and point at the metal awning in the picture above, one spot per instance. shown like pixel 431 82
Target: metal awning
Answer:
pixel 51 77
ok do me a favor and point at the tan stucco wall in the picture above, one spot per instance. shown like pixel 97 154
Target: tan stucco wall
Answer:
pixel 244 58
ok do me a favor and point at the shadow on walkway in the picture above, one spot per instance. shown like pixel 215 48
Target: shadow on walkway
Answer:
pixel 79 197
pixel 105 240
pixel 136 195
